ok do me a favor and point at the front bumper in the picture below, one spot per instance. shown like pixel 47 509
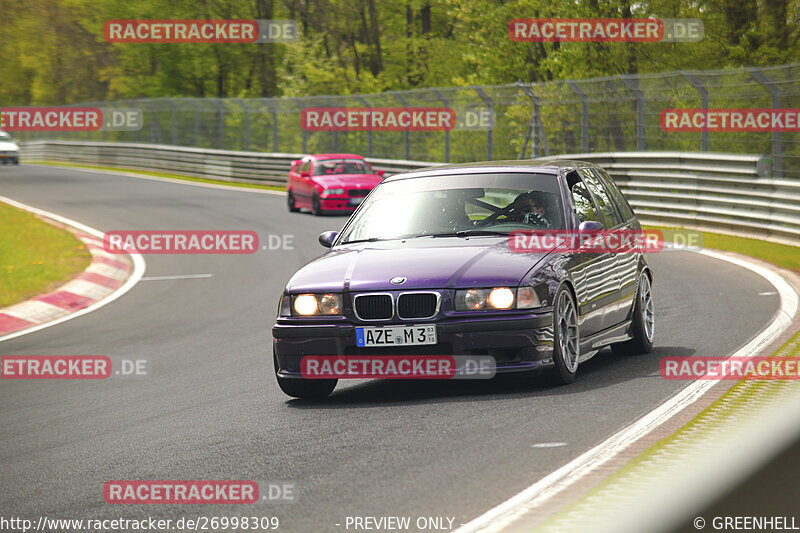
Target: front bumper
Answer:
pixel 340 203
pixel 517 343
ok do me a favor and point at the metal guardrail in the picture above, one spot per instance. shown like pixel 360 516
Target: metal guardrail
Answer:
pixel 723 192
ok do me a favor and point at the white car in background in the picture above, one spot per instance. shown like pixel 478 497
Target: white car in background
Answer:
pixel 9 150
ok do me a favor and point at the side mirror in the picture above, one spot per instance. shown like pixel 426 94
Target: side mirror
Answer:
pixel 303 173
pixel 590 225
pixel 326 239
pixel 381 173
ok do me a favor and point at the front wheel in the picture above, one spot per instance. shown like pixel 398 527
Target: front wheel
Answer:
pixel 311 389
pixel 643 322
pixel 316 210
pixel 566 338
pixel 290 202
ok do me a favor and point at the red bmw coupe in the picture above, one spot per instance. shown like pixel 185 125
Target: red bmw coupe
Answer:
pixel 330 182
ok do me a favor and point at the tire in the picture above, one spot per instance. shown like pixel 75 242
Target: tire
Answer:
pixel 16 161
pixel 566 338
pixel 310 389
pixel 642 323
pixel 316 210
pixel 290 202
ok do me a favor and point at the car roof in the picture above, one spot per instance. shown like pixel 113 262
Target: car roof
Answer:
pixel 320 157
pixel 549 166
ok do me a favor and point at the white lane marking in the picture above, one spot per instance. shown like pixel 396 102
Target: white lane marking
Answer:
pixel 504 514
pixel 138 270
pixel 548 444
pixel 184 276
pixel 169 180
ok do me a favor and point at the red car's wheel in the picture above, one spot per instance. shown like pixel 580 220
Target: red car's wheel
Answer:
pixel 290 202
pixel 316 210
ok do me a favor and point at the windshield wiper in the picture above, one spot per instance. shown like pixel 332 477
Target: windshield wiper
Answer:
pixel 371 239
pixel 469 233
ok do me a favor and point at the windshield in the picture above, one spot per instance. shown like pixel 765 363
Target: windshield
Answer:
pixel 329 167
pixel 458 205
pixel 5 137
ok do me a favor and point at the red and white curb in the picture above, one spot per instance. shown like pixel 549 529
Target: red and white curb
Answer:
pixel 108 277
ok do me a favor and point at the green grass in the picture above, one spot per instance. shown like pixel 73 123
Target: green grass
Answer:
pixel 155 174
pixel 782 255
pixel 35 257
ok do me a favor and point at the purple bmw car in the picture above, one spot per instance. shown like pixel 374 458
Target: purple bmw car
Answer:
pixel 424 268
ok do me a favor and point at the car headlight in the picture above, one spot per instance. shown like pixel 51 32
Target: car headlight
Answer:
pixel 316 304
pixel 328 192
pixel 285 305
pixel 496 298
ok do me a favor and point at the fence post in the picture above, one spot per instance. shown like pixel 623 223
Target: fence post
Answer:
pixel 155 127
pixel 299 102
pixel 698 85
pixel 402 100
pixel 246 108
pixel 273 106
pixel 173 120
pixel 584 114
pixel 196 121
pixel 534 126
pixel 632 81
pixel 369 131
pixel 490 132
pixel 335 133
pixel 221 123
pixel 777 138
pixel 441 97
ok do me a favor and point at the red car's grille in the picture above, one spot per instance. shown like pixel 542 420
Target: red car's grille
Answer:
pixel 358 192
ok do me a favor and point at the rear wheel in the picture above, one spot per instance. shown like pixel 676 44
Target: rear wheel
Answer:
pixel 311 389
pixel 316 210
pixel 566 338
pixel 16 161
pixel 290 202
pixel 643 321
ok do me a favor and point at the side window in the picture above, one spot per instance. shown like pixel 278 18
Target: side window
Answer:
pixel 608 216
pixel 581 199
pixel 305 166
pixel 621 202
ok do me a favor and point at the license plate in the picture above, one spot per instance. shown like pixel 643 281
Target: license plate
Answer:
pixel 356 201
pixel 396 336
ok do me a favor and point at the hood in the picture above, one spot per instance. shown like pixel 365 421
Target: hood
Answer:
pixel 427 263
pixel 359 181
pixel 6 146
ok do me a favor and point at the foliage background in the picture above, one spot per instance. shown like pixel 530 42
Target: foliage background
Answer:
pixel 53 51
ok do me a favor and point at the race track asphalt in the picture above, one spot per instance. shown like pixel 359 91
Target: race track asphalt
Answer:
pixel 212 410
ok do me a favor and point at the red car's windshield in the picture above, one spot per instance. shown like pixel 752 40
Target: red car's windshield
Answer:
pixel 329 167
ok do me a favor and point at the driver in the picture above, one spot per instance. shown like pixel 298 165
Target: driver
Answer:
pixel 529 208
